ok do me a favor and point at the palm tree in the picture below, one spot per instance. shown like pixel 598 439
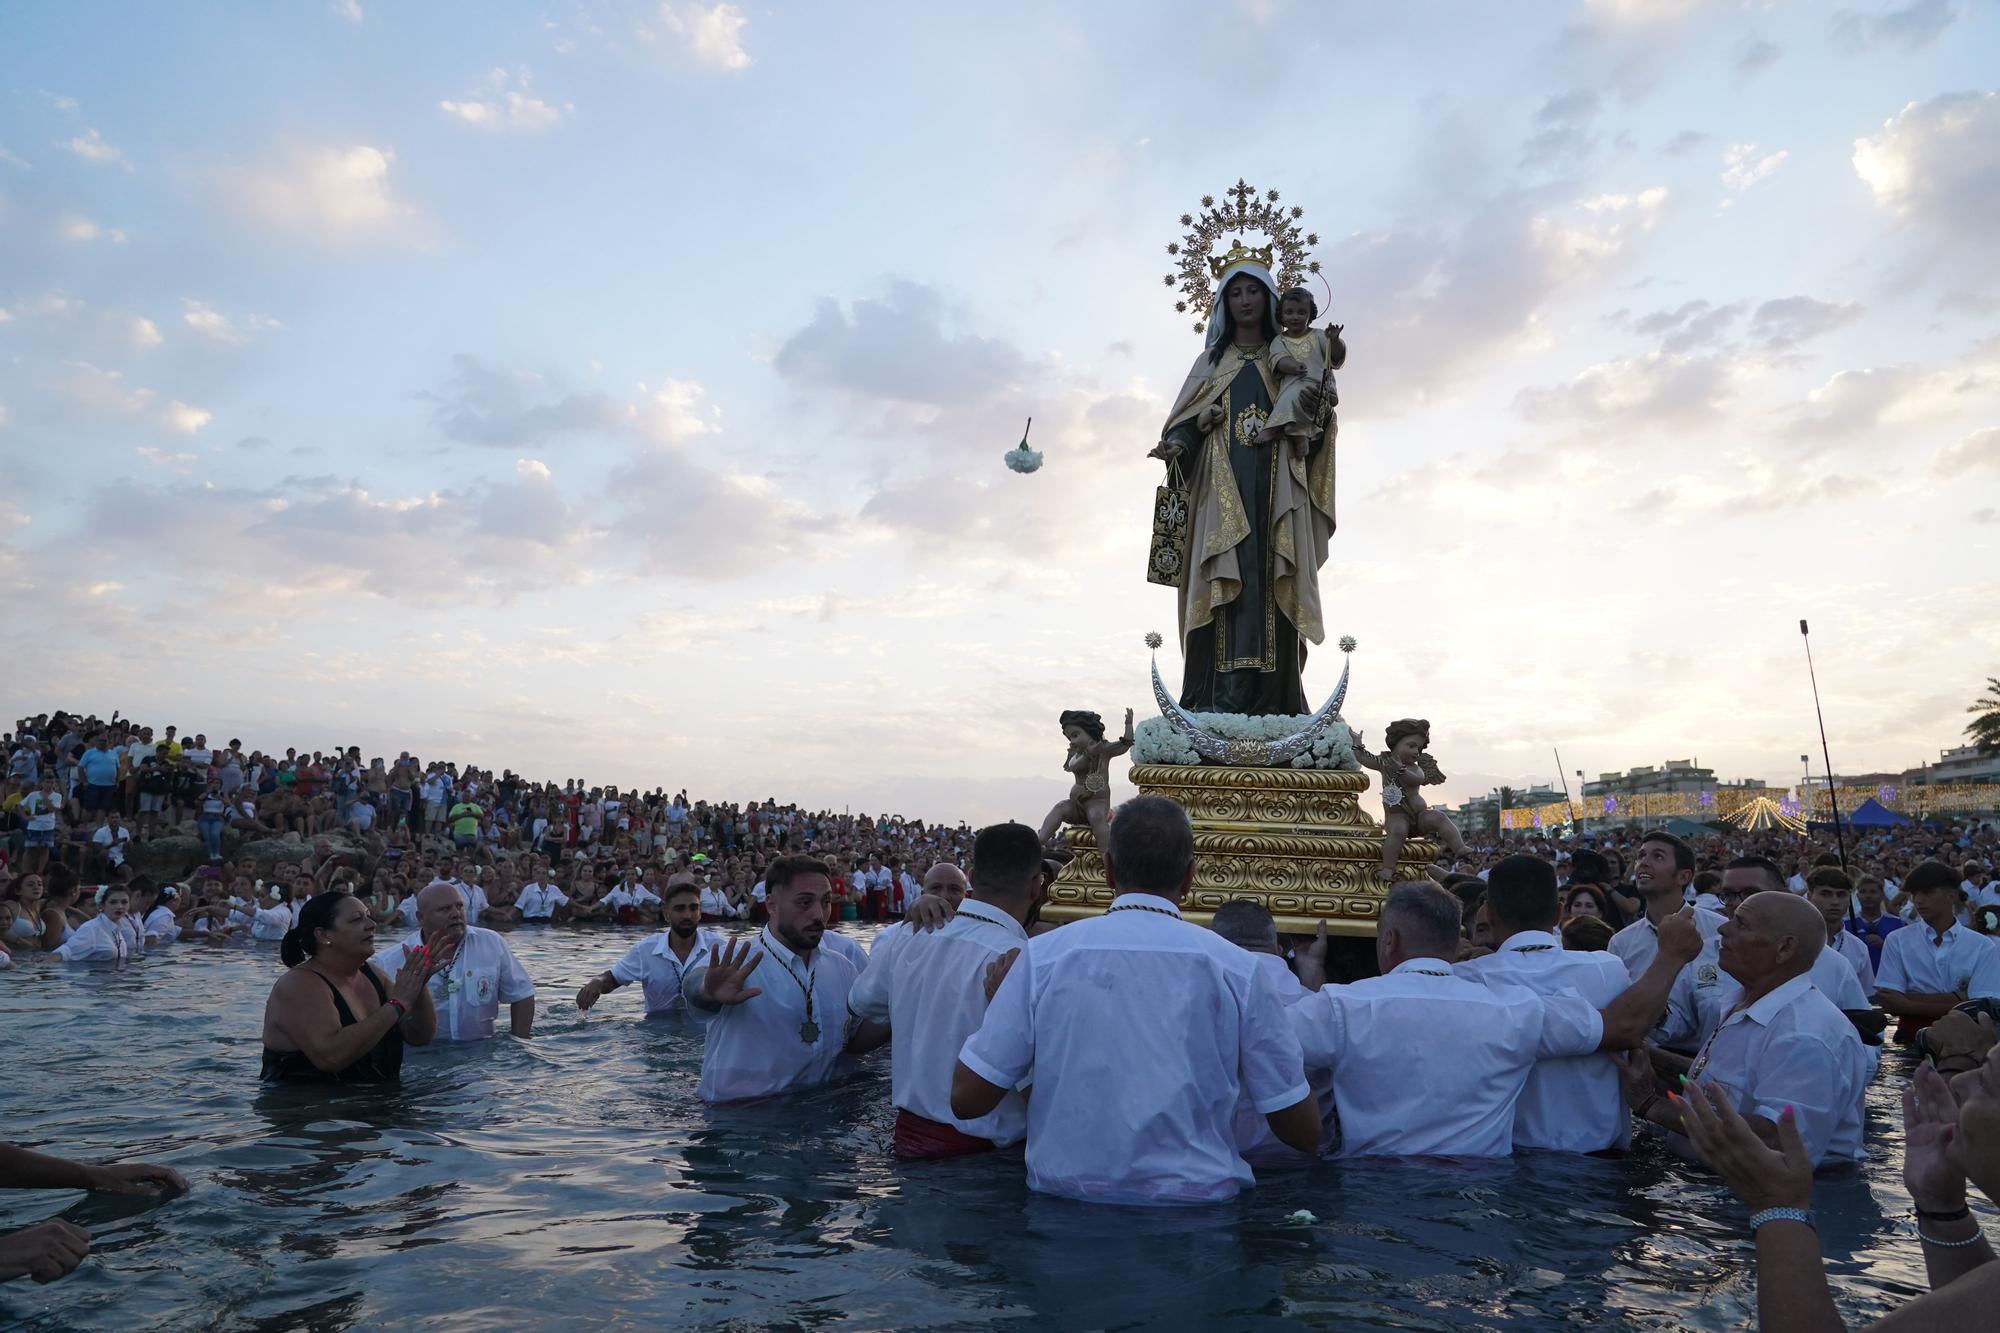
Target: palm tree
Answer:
pixel 1985 725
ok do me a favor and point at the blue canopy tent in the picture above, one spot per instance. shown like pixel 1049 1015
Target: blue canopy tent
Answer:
pixel 1870 814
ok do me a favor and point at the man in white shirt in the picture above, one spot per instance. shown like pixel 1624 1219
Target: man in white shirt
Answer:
pixel 1662 872
pixel 1831 893
pixel 789 1030
pixel 1139 1032
pixel 660 963
pixel 1934 964
pixel 112 835
pixel 715 904
pixel 1430 1063
pixel 929 989
pixel 1248 925
pixel 542 902
pixel 629 900
pixel 1569 1103
pixel 1784 1044
pixel 483 975
pixel 465 878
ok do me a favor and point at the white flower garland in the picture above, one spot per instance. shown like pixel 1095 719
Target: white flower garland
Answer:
pixel 1156 742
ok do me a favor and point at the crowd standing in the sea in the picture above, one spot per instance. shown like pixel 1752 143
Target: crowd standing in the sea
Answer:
pixel 1539 994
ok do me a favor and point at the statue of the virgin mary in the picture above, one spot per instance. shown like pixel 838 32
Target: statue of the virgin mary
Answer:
pixel 1262 513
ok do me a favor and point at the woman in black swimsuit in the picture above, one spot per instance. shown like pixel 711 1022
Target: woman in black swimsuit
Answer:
pixel 332 1019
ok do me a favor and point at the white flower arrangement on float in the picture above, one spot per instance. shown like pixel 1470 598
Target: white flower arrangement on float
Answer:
pixel 1155 741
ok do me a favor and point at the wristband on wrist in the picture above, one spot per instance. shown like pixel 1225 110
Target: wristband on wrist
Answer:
pixel 1760 1217
pixel 1950 1215
pixel 1645 1108
pixel 402 1010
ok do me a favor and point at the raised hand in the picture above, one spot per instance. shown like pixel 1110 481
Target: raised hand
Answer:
pixel 722 981
pixel 1680 937
pixel 1760 1176
pixel 137 1178
pixel 1930 1123
pixel 1128 724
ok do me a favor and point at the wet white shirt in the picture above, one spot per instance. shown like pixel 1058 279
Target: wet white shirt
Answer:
pixel 468 995
pixel 651 963
pixel 1639 943
pixel 1254 1139
pixel 1918 961
pixel 475 901
pixel 790 1036
pixel 1429 1063
pixel 1793 1048
pixel 99 940
pixel 538 902
pixel 1138 1032
pixel 931 991
pixel 1571 1103
pixel 270 923
pixel 162 925
pixel 715 903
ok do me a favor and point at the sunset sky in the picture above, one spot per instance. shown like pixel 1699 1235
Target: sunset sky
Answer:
pixel 619 390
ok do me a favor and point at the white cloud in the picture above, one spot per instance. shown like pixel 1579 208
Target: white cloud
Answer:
pixel 1912 27
pixel 161 458
pixel 1977 452
pixel 185 419
pixel 1742 167
pixel 479 405
pixel 76 227
pixel 142 331
pixel 326 194
pixel 1937 157
pixel 531 468
pixel 58 101
pixel 711 34
pixel 507 106
pixel 348 9
pixel 93 387
pixel 1856 401
pixel 14 160
pixel 206 320
pixel 92 146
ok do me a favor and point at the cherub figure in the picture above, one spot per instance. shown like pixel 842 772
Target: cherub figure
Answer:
pixel 1089 759
pixel 1406 766
pixel 1301 355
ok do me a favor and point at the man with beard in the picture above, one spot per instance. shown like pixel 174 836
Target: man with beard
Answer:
pixel 660 963
pixel 787 1031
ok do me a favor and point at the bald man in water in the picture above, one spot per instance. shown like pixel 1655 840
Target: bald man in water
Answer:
pixel 1784 1043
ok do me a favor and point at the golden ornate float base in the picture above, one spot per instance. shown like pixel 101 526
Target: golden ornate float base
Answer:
pixel 1294 839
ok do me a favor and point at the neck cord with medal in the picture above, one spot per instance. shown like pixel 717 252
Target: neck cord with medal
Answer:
pixel 808 1030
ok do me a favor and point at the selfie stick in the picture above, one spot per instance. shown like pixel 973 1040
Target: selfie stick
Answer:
pixel 1832 797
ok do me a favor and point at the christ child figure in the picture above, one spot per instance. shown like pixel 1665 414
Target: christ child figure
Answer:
pixel 1301 355
pixel 1406 767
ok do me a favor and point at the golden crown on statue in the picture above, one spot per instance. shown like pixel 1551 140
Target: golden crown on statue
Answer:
pixel 1245 209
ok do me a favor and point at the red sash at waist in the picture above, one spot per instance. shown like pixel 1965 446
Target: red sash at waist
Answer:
pixel 919 1139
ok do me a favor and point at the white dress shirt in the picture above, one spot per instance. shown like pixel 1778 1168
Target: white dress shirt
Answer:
pixel 1793 1048
pixel 271 923
pixel 931 990
pixel 162 925
pixel 715 903
pixel 468 995
pixel 1254 1139
pixel 1427 1063
pixel 538 902
pixel 1138 1031
pixel 651 963
pixel 1918 961
pixel 1703 994
pixel 1855 950
pixel 1639 943
pixel 1572 1103
pixel 98 940
pixel 790 1036
pixel 846 946
pixel 475 900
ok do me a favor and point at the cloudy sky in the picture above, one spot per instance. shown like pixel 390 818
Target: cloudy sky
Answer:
pixel 618 390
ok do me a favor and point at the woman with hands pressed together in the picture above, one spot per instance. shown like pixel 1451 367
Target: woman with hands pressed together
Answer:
pixel 1953 1135
pixel 332 1018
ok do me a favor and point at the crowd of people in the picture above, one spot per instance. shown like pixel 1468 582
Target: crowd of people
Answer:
pixel 1730 994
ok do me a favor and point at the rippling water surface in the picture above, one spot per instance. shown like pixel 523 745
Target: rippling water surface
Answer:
pixel 575 1181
